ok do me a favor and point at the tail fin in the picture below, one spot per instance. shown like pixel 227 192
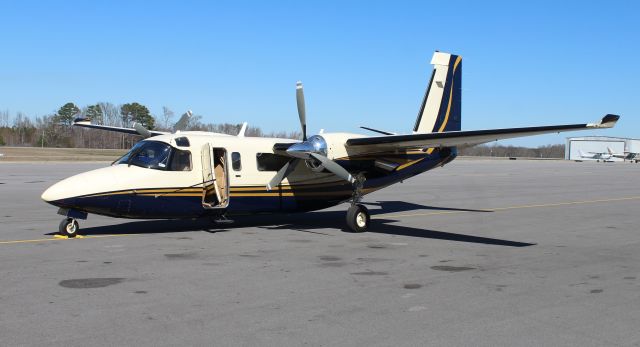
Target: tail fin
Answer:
pixel 441 106
pixel 609 150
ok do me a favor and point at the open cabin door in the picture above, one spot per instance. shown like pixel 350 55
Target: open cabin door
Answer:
pixel 215 177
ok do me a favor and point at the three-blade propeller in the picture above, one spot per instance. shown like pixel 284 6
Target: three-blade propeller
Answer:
pixel 306 150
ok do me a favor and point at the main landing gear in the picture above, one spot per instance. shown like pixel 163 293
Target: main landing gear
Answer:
pixel 358 217
pixel 68 227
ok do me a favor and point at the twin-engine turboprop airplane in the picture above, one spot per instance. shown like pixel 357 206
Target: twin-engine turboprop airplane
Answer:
pixel 190 174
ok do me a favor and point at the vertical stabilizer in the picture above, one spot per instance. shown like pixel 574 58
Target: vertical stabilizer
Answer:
pixel 441 106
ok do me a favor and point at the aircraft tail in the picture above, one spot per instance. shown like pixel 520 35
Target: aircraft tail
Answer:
pixel 441 106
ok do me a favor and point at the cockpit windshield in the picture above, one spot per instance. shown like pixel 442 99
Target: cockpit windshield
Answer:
pixel 157 155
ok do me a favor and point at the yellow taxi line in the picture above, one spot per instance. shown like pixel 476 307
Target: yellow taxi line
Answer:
pixel 59 238
pixel 496 209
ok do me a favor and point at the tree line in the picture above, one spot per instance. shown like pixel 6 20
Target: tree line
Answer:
pixel 548 151
pixel 57 130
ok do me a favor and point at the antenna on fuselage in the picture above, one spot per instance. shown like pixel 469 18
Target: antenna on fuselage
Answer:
pixel 242 130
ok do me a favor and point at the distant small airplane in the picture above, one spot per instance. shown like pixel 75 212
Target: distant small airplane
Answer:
pixel 192 174
pixel 597 156
pixel 633 157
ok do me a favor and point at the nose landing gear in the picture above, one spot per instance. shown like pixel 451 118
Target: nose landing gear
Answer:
pixel 69 227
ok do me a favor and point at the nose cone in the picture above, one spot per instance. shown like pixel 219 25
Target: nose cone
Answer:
pixel 89 182
pixel 58 191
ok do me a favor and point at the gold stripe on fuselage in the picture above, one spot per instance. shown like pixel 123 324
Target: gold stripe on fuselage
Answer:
pixel 240 191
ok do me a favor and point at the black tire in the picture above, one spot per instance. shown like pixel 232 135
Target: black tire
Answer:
pixel 358 218
pixel 68 227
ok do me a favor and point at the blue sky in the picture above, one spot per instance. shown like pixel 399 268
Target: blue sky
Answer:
pixel 362 62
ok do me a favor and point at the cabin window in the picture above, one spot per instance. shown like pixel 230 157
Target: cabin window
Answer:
pixel 270 161
pixel 236 162
pixel 182 141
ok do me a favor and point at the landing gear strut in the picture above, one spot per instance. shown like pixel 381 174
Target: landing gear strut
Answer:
pixel 358 216
pixel 68 227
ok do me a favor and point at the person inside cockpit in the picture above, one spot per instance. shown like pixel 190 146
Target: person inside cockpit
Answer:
pixel 181 161
pixel 157 155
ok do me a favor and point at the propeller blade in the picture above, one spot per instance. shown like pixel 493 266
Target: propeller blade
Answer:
pixel 282 174
pixel 142 130
pixel 333 167
pixel 301 109
pixel 183 122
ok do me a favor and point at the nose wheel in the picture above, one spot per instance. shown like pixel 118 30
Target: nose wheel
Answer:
pixel 68 227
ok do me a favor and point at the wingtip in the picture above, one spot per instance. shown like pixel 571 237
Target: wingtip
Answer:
pixel 82 120
pixel 609 120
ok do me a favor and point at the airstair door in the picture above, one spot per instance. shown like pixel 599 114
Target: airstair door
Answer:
pixel 215 179
pixel 208 180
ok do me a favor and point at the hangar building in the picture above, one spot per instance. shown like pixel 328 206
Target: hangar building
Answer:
pixel 598 144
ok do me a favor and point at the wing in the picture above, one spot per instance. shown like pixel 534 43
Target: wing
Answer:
pixel 469 138
pixel 85 123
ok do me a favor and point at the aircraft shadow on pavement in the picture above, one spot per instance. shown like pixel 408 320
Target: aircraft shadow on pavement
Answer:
pixel 305 222
pixel 403 206
pixel 335 220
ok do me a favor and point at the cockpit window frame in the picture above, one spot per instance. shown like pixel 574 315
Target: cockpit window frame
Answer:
pixel 168 161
